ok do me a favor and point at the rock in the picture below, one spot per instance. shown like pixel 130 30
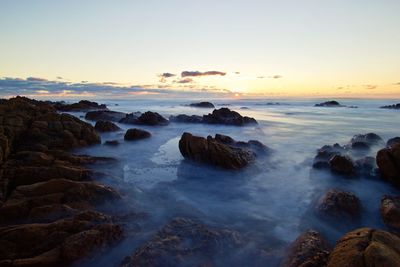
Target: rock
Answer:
pixel 388 161
pixel 390 211
pixel 394 106
pixel 365 141
pixel 184 242
pixel 366 247
pixel 151 118
pixel 82 105
pixel 339 204
pixel 106 126
pixel 111 143
pixel 310 249
pixel 341 165
pixel 325 153
pixel 255 146
pixel 331 103
pixel 228 117
pixel 105 115
pixel 393 141
pixel 186 118
pixel 212 152
pixel 366 167
pixel 131 118
pixel 136 134
pixel 202 105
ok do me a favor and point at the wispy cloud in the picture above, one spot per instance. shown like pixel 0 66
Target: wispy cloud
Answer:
pixel 370 86
pixel 276 76
pixel 199 73
pixel 186 80
pixel 164 76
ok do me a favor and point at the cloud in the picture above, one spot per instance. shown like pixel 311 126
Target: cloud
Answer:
pixel 370 86
pixel 34 79
pixel 186 80
pixel 397 83
pixel 200 74
pixel 261 77
pixel 276 77
pixel 167 75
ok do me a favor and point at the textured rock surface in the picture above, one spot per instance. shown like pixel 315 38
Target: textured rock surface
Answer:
pixel 136 134
pixel 339 204
pixel 106 126
pixel 388 161
pixel 227 116
pixel 390 211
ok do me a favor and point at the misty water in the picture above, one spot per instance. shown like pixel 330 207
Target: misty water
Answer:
pixel 270 202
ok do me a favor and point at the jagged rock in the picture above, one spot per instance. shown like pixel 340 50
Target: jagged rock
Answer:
pixel 202 105
pixel 388 161
pixel 366 247
pixel 227 116
pixel 106 126
pixel 136 134
pixel 82 105
pixel 310 249
pixel 325 153
pixel 390 211
pixel 331 103
pixel 212 152
pixel 394 106
pixel 339 205
pixel 186 118
pixel 341 165
pixel 105 115
pixel 365 141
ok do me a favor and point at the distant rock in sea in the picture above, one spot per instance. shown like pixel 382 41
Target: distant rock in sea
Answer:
pixel 394 106
pixel 331 103
pixel 202 105
pixel 83 105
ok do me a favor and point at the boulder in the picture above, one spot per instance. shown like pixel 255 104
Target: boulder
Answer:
pixel 136 134
pixel 105 115
pixel 339 204
pixel 186 118
pixel 212 152
pixel 390 211
pixel 310 249
pixel 82 105
pixel 131 118
pixel 202 105
pixel 341 165
pixel 388 161
pixel 393 141
pixel 151 118
pixel 331 103
pixel 394 106
pixel 106 126
pixel 366 247
pixel 228 117
pixel 325 153
pixel 365 141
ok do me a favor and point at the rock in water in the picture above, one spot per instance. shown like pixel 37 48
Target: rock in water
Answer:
pixel 341 165
pixel 106 126
pixel 151 118
pixel 388 161
pixel 331 103
pixel 339 205
pixel 105 115
pixel 82 105
pixel 366 247
pixel 310 249
pixel 136 134
pixel 213 152
pixel 394 106
pixel 390 211
pixel 202 105
pixel 227 116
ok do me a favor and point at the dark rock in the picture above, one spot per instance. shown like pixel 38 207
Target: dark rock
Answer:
pixel 106 126
pixel 331 103
pixel 256 146
pixel 136 134
pixel 151 118
pixel 213 152
pixel 366 247
pixel 341 165
pixel 82 105
pixel 227 116
pixel 390 211
pixel 339 205
pixel 131 118
pixel 186 118
pixel 111 143
pixel 310 249
pixel 202 105
pixel 105 115
pixel 388 161
pixel 393 141
pixel 184 242
pixel 365 141
pixel 394 106
pixel 366 166
pixel 325 153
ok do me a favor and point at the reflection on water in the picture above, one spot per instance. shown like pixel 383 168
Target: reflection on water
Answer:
pixel 270 201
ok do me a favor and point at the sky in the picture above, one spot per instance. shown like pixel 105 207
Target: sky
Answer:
pixel 227 48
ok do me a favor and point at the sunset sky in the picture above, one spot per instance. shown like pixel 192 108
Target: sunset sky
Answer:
pixel 310 48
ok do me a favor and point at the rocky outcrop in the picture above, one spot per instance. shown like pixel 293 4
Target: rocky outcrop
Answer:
pixel 341 165
pixel 310 249
pixel 394 106
pixel 228 117
pixel 388 161
pixel 136 134
pixel 339 204
pixel 184 242
pixel 213 152
pixel 366 247
pixel 366 141
pixel 331 103
pixel 393 141
pixel 152 119
pixel 186 118
pixel 106 126
pixel 390 211
pixel 105 115
pixel 254 145
pixel 83 105
pixel 202 105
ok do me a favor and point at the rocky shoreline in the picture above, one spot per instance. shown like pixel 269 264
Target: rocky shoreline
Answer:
pixel 52 205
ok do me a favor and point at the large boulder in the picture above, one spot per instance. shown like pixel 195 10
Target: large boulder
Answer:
pixel 388 161
pixel 393 141
pixel 365 141
pixel 366 247
pixel 340 205
pixel 331 103
pixel 202 105
pixel 151 118
pixel 105 115
pixel 212 152
pixel 136 134
pixel 227 116
pixel 390 211
pixel 106 126
pixel 310 249
pixel 342 165
pixel 82 105
pixel 186 118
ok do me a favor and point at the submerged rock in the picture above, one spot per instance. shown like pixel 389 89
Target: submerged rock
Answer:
pixel 212 152
pixel 105 115
pixel 310 249
pixel 390 211
pixel 331 103
pixel 106 126
pixel 394 106
pixel 388 161
pixel 339 204
pixel 202 105
pixel 136 134
pixel 227 116
pixel 366 247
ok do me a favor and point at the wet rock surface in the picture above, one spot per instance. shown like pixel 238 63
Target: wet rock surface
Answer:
pixel 339 204
pixel 136 134
pixel 83 105
pixel 212 151
pixel 105 115
pixel 388 161
pixel 390 211
pixel 106 126
pixel 309 249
